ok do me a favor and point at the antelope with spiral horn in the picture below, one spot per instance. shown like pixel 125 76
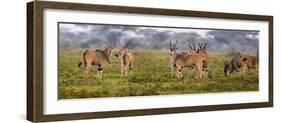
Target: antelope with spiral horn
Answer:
pixel 181 60
pixel 203 52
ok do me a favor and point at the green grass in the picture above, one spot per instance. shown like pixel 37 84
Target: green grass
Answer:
pixel 150 76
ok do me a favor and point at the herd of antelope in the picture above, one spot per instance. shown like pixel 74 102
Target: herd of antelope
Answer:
pixel 193 58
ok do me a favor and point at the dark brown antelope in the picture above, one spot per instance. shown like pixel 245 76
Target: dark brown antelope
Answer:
pixel 241 63
pixel 234 65
pixel 181 60
pixel 126 58
pixel 96 57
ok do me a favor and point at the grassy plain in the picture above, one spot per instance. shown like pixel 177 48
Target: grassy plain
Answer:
pixel 150 76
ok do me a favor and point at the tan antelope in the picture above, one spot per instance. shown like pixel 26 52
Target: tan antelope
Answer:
pixel 191 51
pixel 96 57
pixel 172 52
pixel 181 60
pixel 249 62
pixel 203 52
pixel 241 63
pixel 126 58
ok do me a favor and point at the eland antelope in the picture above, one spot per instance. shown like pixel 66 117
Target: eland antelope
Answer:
pixel 126 58
pixel 172 54
pixel 96 57
pixel 249 62
pixel 181 60
pixel 203 52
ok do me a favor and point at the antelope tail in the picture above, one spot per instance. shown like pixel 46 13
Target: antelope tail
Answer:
pixel 131 66
pixel 83 60
pixel 79 64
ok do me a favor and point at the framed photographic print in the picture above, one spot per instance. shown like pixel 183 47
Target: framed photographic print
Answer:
pixel 96 61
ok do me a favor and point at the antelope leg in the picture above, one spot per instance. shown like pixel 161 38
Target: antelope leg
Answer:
pixel 88 68
pixel 199 72
pixel 122 69
pixel 179 74
pixel 98 74
pixel 101 75
pixel 244 68
pixel 172 71
pixel 127 69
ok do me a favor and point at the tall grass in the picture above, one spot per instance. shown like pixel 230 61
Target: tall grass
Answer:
pixel 150 76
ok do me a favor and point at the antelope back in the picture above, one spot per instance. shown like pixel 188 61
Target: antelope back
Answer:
pixel 95 57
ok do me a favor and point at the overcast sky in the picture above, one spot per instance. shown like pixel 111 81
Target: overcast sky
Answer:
pixel 77 28
pixel 145 37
